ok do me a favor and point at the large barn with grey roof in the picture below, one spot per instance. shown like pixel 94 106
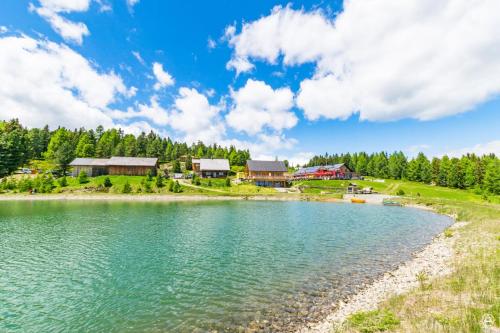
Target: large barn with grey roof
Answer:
pixel 130 166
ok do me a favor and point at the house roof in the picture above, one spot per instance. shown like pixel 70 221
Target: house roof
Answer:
pixel 195 160
pixel 214 164
pixel 89 162
pixel 133 161
pixel 273 166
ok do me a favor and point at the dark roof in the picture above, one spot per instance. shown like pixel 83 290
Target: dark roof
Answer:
pixel 89 162
pixel 273 166
pixel 133 161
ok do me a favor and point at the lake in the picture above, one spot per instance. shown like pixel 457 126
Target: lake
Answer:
pixel 193 267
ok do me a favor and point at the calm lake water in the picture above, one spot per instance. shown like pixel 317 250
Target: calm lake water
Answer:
pixel 184 267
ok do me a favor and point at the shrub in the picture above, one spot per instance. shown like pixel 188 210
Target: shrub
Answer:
pixel 400 192
pixel 25 184
pixel 107 182
pixel 43 183
pixel 171 185
pixel 83 178
pixel 147 187
pixel 149 175
pixel 373 321
pixel 63 182
pixel 228 182
pixel 159 181
pixel 126 187
pixel 448 233
pixel 177 187
pixel 209 183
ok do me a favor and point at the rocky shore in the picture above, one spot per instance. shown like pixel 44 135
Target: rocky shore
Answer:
pixel 434 260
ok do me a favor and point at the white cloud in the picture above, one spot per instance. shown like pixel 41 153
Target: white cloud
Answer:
pixel 50 11
pixel 417 59
pixel 153 112
pixel 132 3
pixel 3 29
pixel 164 79
pixel 196 118
pixel 136 128
pixel 257 106
pixel 211 44
pixel 492 147
pixel 138 56
pixel 48 83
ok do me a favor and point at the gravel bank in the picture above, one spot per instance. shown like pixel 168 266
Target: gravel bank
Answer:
pixel 434 260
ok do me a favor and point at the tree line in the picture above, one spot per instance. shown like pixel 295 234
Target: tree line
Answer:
pixel 468 171
pixel 18 145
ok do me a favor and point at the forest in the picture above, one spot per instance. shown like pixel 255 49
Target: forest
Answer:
pixel 467 172
pixel 19 145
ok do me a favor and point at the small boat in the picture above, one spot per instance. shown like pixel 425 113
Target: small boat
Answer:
pixel 358 200
pixel 391 203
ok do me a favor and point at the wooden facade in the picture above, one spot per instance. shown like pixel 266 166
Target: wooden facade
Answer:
pixel 267 173
pixel 127 166
pixel 211 168
pixel 131 170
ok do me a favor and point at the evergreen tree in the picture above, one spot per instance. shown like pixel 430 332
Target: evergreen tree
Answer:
pixel 85 146
pixel 455 174
pixel 176 167
pixel 13 147
pixel 443 171
pixel 189 163
pixel 492 176
pixel 63 156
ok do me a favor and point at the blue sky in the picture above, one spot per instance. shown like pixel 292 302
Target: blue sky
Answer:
pixel 280 79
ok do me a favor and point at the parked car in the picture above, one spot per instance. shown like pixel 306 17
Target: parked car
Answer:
pixel 26 171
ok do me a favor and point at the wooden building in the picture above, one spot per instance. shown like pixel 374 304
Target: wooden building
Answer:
pixel 130 166
pixel 336 171
pixel 267 173
pixel 211 168
pixel 93 167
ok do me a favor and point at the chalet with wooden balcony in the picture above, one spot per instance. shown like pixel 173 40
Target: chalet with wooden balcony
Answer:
pixel 211 168
pixel 267 173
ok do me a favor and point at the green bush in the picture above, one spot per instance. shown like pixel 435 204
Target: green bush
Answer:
pixel 126 187
pixel 228 182
pixel 25 184
pixel 171 186
pixel 63 182
pixel 209 183
pixel 373 321
pixel 400 192
pixel 147 187
pixel 82 177
pixel 177 188
pixel 8 184
pixel 43 183
pixel 159 181
pixel 107 182
pixel 149 175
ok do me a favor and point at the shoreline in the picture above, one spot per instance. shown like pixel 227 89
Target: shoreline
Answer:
pixel 433 260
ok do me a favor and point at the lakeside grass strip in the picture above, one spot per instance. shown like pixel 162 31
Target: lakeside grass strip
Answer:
pixel 467 300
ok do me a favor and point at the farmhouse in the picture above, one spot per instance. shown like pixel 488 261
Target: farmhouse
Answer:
pixel 130 166
pixel 267 173
pixel 93 167
pixel 336 171
pixel 211 168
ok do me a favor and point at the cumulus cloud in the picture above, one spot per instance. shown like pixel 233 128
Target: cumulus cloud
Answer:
pixel 417 59
pixel 163 79
pixel 153 112
pixel 50 10
pixel 196 118
pixel 3 29
pixel 49 83
pixel 257 106
pixel 492 147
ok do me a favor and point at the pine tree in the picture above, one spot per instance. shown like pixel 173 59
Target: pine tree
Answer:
pixel 491 180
